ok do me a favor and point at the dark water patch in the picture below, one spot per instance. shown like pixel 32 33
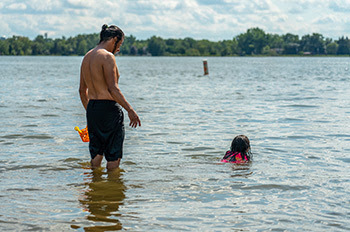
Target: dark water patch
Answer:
pixel 12 136
pixel 38 136
pixel 172 142
pixel 345 160
pixel 42 100
pixel 8 143
pixel 31 107
pixel 50 115
pixel 76 185
pixel 292 119
pixel 57 169
pixel 339 135
pixel 308 137
pixel 31 117
pixel 322 121
pixel 28 144
pixel 69 160
pixel 300 106
pixel 129 163
pixel 179 219
pixel 197 149
pixel 157 134
pixel 196 156
pixel 275 186
pixel 164 153
pixel 274 138
pixel 274 149
pixel 240 167
pixel 216 152
pixel 327 225
pixel 24 189
pixel 19 167
pixel 30 125
pixel 241 174
pixel 251 120
pixel 299 98
pixel 7 222
pixel 135 186
pixel 312 157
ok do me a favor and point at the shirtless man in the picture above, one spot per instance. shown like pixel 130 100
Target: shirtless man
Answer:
pixel 101 97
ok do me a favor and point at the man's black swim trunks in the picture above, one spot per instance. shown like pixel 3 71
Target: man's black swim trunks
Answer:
pixel 105 121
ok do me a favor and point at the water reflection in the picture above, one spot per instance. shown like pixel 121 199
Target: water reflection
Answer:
pixel 103 195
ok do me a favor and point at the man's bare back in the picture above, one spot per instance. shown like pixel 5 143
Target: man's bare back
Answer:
pixel 92 70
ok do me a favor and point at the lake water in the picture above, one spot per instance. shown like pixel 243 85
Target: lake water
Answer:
pixel 296 112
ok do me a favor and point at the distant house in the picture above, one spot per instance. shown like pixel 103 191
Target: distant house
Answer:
pixel 278 50
pixel 307 53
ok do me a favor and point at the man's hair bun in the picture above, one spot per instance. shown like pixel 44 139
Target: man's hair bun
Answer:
pixel 104 27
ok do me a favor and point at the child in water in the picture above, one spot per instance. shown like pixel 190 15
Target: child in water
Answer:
pixel 239 152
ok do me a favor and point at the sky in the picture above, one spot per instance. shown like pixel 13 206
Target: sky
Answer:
pixel 215 20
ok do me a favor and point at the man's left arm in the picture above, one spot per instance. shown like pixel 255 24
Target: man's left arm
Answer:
pixel 83 90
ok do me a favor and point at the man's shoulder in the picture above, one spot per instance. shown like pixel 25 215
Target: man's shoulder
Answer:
pixel 99 55
pixel 105 55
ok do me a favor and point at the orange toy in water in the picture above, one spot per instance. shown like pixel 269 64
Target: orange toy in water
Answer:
pixel 84 134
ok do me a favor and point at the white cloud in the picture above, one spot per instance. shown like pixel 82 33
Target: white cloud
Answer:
pixel 327 19
pixel 83 3
pixel 44 5
pixel 214 20
pixel 17 6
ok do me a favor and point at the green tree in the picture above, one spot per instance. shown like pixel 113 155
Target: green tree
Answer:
pixel 252 42
pixel 20 45
pixel 82 48
pixel 156 46
pixel 291 44
pixel 332 48
pixel 38 45
pixel 343 46
pixel 275 41
pixel 313 43
pixel 60 47
pixel 192 52
pixel 4 47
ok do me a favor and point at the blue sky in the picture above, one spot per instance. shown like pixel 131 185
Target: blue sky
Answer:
pixel 200 19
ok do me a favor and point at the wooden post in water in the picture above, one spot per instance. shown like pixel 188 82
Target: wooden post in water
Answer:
pixel 205 66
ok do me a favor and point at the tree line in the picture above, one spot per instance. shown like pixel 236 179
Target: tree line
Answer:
pixel 254 41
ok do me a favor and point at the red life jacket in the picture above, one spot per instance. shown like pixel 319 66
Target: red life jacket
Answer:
pixel 234 157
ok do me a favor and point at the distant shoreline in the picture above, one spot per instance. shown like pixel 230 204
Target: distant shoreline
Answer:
pixel 253 43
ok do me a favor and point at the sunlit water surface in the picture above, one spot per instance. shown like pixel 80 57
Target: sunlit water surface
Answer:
pixel 296 112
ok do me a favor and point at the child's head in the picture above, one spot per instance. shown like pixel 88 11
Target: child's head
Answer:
pixel 241 144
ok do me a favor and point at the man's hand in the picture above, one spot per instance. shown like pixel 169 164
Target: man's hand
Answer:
pixel 134 119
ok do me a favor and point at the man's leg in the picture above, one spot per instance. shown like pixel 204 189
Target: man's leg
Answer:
pixel 111 165
pixel 96 162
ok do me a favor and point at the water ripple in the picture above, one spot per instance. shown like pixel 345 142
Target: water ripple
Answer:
pixel 275 186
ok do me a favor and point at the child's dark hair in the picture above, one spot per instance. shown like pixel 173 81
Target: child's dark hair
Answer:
pixel 109 32
pixel 241 144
